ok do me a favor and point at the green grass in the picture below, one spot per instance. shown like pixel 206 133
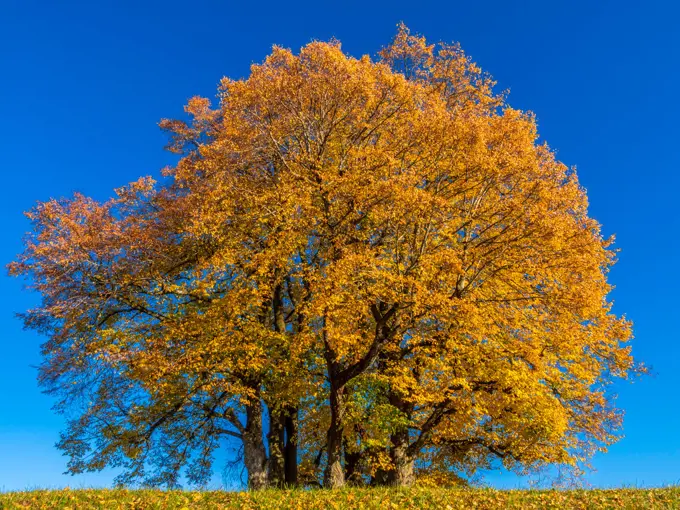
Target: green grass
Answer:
pixel 375 498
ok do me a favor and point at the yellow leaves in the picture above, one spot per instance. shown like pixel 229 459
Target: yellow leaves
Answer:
pixel 409 50
pixel 143 186
pixel 429 495
pixel 393 221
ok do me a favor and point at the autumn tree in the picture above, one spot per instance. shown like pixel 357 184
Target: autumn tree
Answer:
pixel 375 259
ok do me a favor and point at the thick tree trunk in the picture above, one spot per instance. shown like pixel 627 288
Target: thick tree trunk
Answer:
pixel 254 451
pixel 276 446
pixel 403 472
pixel 334 476
pixel 290 446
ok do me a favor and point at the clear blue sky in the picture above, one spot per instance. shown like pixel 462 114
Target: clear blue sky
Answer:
pixel 83 85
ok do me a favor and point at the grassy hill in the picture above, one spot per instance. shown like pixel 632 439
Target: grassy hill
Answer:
pixel 440 499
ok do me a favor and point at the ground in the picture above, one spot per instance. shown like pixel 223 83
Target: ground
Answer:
pixel 437 498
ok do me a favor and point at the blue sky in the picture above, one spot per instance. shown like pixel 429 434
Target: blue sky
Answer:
pixel 83 85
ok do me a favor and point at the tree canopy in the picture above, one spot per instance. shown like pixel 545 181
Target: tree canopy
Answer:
pixel 364 271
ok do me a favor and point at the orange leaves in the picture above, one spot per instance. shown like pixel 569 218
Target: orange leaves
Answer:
pixel 388 236
pixel 411 52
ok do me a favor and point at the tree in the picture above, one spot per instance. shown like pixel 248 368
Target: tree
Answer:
pixel 144 343
pixel 378 253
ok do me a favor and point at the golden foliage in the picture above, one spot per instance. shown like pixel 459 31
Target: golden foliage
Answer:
pixel 379 498
pixel 383 246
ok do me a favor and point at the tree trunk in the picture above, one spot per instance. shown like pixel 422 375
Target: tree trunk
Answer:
pixel 290 447
pixel 403 472
pixel 352 459
pixel 276 457
pixel 254 451
pixel 380 478
pixel 334 476
pixel 283 440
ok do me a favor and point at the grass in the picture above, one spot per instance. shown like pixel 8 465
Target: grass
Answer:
pixel 374 498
